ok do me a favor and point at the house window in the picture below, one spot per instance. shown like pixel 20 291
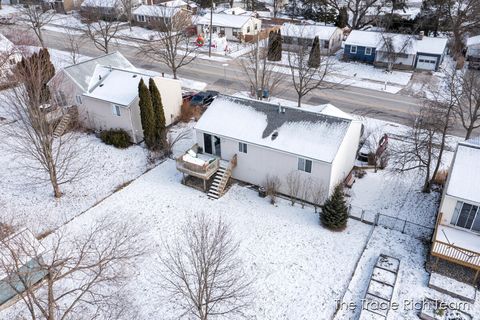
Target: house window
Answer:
pixel 141 18
pixel 353 49
pixel 116 110
pixel 61 98
pixel 255 27
pixel 79 99
pixel 242 147
pixel 466 216
pixel 248 29
pixel 368 51
pixel 326 44
pixel 222 30
pixel 304 165
pixel 235 32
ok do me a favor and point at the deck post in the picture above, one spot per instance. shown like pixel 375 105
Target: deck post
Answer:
pixel 204 185
pixel 476 277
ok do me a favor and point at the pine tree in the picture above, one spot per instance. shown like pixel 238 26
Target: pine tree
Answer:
pixel 314 58
pixel 271 43
pixel 342 18
pixel 146 115
pixel 159 114
pixel 277 55
pixel 334 213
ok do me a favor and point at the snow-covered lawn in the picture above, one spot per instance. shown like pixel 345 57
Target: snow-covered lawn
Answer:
pixel 412 282
pixel 299 267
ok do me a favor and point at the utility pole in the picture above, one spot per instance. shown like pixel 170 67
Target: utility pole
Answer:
pixel 210 30
pixel 257 58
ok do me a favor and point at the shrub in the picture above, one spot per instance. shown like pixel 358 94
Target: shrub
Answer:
pixel 188 112
pixel 118 138
pixel 441 177
pixel 335 211
pixel 272 185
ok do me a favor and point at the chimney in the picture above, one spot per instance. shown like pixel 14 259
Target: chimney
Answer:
pixel 420 35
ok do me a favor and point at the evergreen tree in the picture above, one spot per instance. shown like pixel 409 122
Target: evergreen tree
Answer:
pixel 147 115
pixel 276 50
pixel 271 43
pixel 159 114
pixel 334 213
pixel 342 18
pixel 314 58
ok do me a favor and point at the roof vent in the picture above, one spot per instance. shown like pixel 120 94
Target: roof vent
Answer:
pixel 281 109
pixel 100 85
pixel 274 135
pixel 134 76
pixel 99 77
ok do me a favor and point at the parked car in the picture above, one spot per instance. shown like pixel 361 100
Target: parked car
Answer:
pixel 188 95
pixel 203 98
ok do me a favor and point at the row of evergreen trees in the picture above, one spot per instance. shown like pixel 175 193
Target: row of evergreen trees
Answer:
pixel 152 115
pixel 274 52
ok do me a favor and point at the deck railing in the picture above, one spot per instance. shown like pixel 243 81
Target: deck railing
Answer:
pixel 456 254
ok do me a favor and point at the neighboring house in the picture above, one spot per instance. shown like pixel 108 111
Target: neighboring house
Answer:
pixel 262 139
pixel 233 27
pixel 403 51
pixel 21 270
pixel 63 6
pixel 160 16
pixel 457 233
pixel 473 52
pixel 102 8
pixel 105 90
pixel 294 35
pixel 9 57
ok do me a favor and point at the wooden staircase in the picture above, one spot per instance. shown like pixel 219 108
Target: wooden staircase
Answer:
pixel 62 125
pixel 223 174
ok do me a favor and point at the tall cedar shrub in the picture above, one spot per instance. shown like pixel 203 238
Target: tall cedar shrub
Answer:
pixel 314 58
pixel 334 213
pixel 342 18
pixel 159 114
pixel 147 115
pixel 277 55
pixel 271 44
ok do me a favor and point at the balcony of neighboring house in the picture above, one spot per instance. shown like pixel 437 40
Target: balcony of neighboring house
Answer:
pixel 457 245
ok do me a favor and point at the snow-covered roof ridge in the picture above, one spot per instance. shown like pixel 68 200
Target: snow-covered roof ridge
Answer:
pixel 465 172
pixel 308 31
pixel 156 10
pixel 292 130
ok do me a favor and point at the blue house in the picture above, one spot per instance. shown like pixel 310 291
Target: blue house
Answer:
pixel 412 51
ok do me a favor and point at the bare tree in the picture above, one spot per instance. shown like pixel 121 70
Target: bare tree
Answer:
pixel 82 270
pixel 32 135
pixel 173 138
pixel 319 194
pixel 127 11
pixel 74 41
pixel 393 48
pixel 307 77
pixel 261 73
pixel 361 12
pixel 306 190
pixel 36 18
pixel 294 184
pixel 272 185
pixel 171 43
pixel 202 272
pixel 101 27
pixel 465 88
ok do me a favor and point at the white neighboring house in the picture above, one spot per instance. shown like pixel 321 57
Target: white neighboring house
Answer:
pixel 265 139
pixel 301 34
pixel 473 52
pixel 9 57
pixel 233 27
pixel 158 16
pixel 457 233
pixel 106 93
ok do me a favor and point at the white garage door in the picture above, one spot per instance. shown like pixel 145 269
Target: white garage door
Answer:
pixel 426 62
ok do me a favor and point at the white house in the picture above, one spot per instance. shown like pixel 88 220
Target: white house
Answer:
pixel 9 57
pixel 457 233
pixel 473 52
pixel 233 27
pixel 301 34
pixel 403 51
pixel 262 139
pixel 105 90
pixel 160 16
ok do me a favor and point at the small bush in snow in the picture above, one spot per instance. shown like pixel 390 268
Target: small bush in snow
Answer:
pixel 118 138
pixel 272 185
pixel 334 213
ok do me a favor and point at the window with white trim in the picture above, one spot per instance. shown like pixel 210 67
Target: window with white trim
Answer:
pixel 353 49
pixel 116 110
pixel 242 147
pixel 248 29
pixel 368 51
pixel 78 98
pixel 305 165
pixel 466 216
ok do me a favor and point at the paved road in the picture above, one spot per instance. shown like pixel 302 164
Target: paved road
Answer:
pixel 381 105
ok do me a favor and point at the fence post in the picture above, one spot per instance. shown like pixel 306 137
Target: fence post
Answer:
pixel 404 224
pixel 361 217
pixel 377 217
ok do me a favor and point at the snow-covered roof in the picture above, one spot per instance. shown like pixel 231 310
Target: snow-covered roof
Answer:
pixel 297 131
pixel 5 44
pixel 308 31
pixel 102 3
pixel 156 11
pixel 234 11
pixel 224 20
pixel 173 3
pixel 118 86
pixel 473 41
pixel 84 73
pixel 465 173
pixel 409 43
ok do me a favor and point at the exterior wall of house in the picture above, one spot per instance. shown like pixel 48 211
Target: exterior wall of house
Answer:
pixel 359 55
pixel 447 208
pixel 171 93
pixel 346 154
pixel 247 29
pixel 438 56
pixel 253 166
pixel 404 63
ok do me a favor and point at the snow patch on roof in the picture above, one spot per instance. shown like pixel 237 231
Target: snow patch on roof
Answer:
pixel 156 11
pixel 224 20
pixel 300 132
pixel 102 3
pixel 308 31
pixel 465 175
